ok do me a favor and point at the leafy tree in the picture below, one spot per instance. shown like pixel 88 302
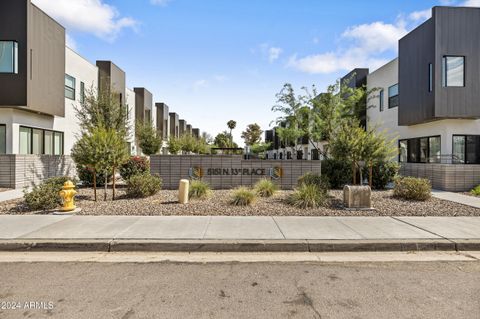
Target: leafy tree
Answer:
pixel 174 145
pixel 103 150
pixel 223 140
pixel 252 134
pixel 260 148
pixel 102 109
pixel 188 143
pixel 231 125
pixel 148 138
pixel 207 138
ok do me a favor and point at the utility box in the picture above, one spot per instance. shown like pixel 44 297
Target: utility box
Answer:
pixel 357 197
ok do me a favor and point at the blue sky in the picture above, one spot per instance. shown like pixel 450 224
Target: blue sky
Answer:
pixel 216 60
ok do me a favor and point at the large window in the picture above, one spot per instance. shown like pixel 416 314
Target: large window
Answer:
pixel 3 139
pixel 466 149
pixel 380 102
pixel 393 96
pixel 420 150
pixel 453 71
pixel 39 141
pixel 8 57
pixel 69 87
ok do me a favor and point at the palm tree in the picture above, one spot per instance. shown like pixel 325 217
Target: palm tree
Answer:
pixel 231 125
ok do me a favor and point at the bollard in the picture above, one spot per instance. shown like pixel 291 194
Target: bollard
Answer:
pixel 68 196
pixel 183 191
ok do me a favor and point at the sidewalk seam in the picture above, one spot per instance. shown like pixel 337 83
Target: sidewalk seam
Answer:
pixel 426 230
pixel 278 226
pixel 206 227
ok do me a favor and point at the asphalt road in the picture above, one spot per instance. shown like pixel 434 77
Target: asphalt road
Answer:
pixel 242 290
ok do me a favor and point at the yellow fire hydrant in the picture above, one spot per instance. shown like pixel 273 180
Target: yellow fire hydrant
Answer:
pixel 68 196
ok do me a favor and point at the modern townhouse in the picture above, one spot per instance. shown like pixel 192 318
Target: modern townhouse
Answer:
pixel 42 82
pixel 429 99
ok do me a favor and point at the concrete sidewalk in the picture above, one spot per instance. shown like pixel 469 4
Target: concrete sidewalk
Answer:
pixel 237 233
pixel 11 194
pixel 457 198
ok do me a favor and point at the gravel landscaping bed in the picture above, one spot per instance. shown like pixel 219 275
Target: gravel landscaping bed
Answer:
pixel 165 203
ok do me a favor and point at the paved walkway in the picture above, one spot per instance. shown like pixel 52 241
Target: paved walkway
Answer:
pixel 11 194
pixel 457 198
pixel 147 229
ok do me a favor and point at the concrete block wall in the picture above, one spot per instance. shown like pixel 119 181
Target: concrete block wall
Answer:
pixel 172 168
pixel 18 171
pixel 448 177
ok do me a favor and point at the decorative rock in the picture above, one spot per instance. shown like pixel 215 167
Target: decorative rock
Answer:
pixel 357 197
pixel 183 191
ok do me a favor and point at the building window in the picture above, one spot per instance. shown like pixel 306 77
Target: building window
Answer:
pixel 453 71
pixel 69 87
pixel 9 57
pixel 420 150
pixel 430 77
pixel 403 152
pixel 3 139
pixel 82 92
pixel 466 149
pixel 393 96
pixel 40 141
pixel 381 97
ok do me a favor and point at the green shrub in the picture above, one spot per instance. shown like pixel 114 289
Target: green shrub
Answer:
pixel 265 188
pixel 310 178
pixel 46 196
pixel 383 173
pixel 307 196
pixel 243 196
pixel 337 172
pixel 199 190
pixel 412 188
pixel 475 191
pixel 134 166
pixel 85 175
pixel 143 185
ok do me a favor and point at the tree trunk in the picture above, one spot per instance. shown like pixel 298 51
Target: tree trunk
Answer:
pixel 370 174
pixel 354 171
pixel 95 184
pixel 106 186
pixel 360 173
pixel 113 184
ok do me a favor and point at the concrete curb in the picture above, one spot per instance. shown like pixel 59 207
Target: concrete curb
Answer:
pixel 146 245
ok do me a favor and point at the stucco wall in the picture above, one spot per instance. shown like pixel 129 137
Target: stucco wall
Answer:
pixel 230 170
pixel 387 120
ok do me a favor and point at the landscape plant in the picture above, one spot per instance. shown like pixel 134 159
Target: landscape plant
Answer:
pixel 85 175
pixel 46 195
pixel 382 173
pixel 318 180
pixel 265 187
pixel 338 172
pixel 149 139
pixel 231 125
pixel 134 166
pixel 143 185
pixel 307 196
pixel 475 191
pixel 412 188
pixel 174 145
pixel 243 196
pixel 199 190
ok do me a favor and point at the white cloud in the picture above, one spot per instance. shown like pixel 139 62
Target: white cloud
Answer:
pixel 160 2
pixel 471 3
pixel 364 44
pixel 70 42
pixel 274 54
pixel 91 16
pixel 268 51
pixel 220 78
pixel 200 84
pixel 420 15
